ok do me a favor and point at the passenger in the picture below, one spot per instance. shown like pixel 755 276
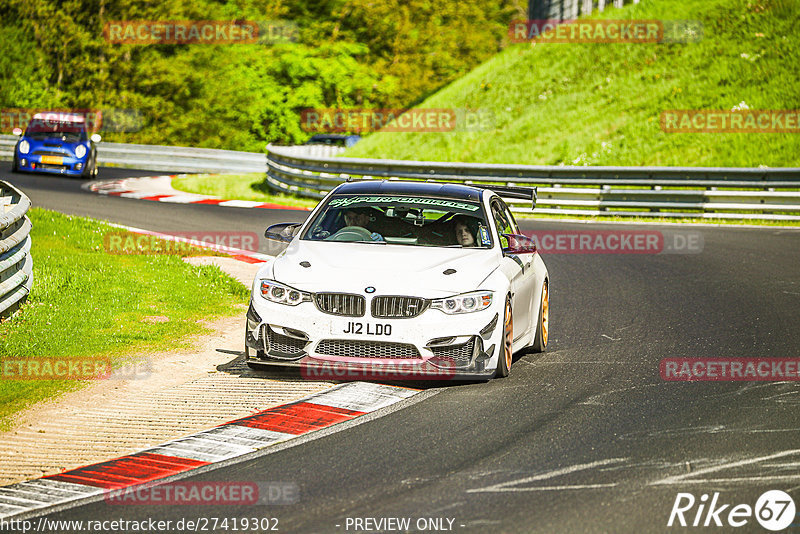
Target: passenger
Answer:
pixel 463 227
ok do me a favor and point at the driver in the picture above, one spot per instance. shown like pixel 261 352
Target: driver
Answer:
pixel 361 217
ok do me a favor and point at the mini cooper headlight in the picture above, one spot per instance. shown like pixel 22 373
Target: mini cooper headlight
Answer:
pixel 80 151
pixel 464 303
pixel 24 147
pixel 283 294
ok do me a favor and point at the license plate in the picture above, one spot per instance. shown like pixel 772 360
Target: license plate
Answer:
pixel 359 328
pixel 54 160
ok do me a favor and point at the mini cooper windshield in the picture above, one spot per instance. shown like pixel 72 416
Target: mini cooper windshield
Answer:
pixel 401 220
pixel 71 132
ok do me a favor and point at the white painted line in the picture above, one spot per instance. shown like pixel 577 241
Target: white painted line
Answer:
pixel 258 437
pixel 196 448
pixel 507 486
pixel 47 484
pixel 685 477
pixel 41 494
pixel 560 488
pixel 738 480
pixel 181 199
pixel 201 244
pixel 240 203
pixel 361 396
pixel 136 194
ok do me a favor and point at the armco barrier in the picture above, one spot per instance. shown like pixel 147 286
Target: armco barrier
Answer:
pixel 729 193
pixel 311 171
pixel 16 265
pixel 180 159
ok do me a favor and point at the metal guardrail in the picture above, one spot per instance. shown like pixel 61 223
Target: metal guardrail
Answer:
pixel 16 264
pixel 180 159
pixel 311 171
pixel 699 192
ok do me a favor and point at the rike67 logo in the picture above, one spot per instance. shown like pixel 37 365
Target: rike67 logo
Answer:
pixel 774 510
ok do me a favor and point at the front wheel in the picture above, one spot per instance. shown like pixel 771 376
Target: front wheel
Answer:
pixel 506 354
pixel 543 326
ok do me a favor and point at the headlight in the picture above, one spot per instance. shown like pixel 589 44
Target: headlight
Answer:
pixel 24 147
pixel 80 151
pixel 283 294
pixel 464 303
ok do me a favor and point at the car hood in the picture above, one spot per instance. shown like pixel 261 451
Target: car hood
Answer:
pixel 55 145
pixel 391 269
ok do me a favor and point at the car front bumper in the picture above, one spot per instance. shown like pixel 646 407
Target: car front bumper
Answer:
pixel 431 346
pixel 68 165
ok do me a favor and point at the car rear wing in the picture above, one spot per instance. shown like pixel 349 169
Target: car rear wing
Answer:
pixel 513 192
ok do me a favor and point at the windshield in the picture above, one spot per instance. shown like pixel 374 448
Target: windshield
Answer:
pixel 401 220
pixel 49 129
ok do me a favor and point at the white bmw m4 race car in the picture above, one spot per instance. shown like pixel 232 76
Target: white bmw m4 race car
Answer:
pixel 427 279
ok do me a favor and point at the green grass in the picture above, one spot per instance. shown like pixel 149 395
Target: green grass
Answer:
pixel 249 186
pixel 600 104
pixel 86 303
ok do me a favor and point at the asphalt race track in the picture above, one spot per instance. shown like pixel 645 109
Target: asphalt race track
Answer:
pixel 586 437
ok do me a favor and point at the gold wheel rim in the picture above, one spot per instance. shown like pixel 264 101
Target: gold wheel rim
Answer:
pixel 509 335
pixel 545 313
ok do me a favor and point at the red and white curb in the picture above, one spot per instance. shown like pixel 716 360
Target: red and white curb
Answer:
pixel 147 188
pixel 341 403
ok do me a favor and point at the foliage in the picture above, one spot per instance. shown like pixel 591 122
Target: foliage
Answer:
pixel 240 96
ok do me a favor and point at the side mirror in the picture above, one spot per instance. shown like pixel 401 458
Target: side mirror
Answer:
pixel 95 138
pixel 519 244
pixel 283 232
pixel 17 131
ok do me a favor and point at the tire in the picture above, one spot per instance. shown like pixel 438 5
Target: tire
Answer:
pixel 506 353
pixel 15 165
pixel 543 325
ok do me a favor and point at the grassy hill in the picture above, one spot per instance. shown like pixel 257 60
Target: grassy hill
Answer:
pixel 600 104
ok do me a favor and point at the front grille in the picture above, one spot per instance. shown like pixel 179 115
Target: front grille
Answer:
pixel 284 344
pixel 340 304
pixel 49 153
pixel 460 354
pixel 367 349
pixel 398 307
pixel 51 166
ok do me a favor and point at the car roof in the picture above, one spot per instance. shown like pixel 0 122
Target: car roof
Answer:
pixel 425 189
